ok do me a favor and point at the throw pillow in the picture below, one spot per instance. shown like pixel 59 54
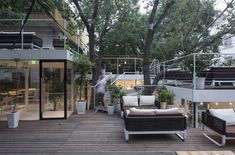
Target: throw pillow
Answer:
pixel 147 100
pixel 130 100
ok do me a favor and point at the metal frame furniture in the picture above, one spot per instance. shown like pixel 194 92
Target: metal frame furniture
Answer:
pixel 219 127
pixel 171 123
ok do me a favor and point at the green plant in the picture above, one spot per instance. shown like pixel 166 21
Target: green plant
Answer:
pixel 55 95
pixel 116 92
pixel 165 96
pixel 82 67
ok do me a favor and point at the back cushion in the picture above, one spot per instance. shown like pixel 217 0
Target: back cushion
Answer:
pixel 168 111
pixel 147 100
pixel 228 115
pixel 130 100
pixel 135 111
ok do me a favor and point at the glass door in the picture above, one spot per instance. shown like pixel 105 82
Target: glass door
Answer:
pixel 52 89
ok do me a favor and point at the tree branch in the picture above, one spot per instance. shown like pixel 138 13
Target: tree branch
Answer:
pixel 153 12
pixel 205 43
pixel 163 15
pixel 81 14
pixel 203 31
pixel 95 10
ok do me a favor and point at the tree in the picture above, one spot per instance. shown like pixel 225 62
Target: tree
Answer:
pixel 190 27
pixel 160 11
pixel 99 18
pixel 128 35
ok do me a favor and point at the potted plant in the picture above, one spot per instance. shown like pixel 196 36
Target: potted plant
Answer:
pixel 165 97
pixel 116 95
pixel 54 96
pixel 14 116
pixel 109 103
pixel 82 67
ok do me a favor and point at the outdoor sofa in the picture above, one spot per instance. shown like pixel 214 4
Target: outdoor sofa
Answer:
pixel 139 120
pixel 222 122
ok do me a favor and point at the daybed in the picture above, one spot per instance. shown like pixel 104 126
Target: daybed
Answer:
pixel 222 122
pixel 143 116
pixel 154 121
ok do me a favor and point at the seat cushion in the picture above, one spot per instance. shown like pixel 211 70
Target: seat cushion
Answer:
pixel 228 115
pixel 130 101
pixel 147 100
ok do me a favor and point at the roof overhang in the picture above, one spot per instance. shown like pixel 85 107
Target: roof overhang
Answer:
pixel 36 54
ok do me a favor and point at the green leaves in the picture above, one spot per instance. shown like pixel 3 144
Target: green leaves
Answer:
pixel 164 95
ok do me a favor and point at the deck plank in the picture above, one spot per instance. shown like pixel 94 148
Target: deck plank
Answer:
pixel 95 133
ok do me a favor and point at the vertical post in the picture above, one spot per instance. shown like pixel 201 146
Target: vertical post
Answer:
pixel 194 71
pixel 22 35
pixel 195 115
pixel 26 87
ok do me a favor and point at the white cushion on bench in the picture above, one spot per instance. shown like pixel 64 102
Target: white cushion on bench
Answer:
pixel 147 100
pixel 171 110
pixel 228 115
pixel 135 111
pixel 130 100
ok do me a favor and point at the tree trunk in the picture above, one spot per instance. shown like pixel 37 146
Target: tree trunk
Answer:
pixel 146 62
pixel 92 59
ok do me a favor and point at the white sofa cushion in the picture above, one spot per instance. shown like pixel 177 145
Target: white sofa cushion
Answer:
pixel 135 111
pixel 171 110
pixel 147 100
pixel 130 100
pixel 228 115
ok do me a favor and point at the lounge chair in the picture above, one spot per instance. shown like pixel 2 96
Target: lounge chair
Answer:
pixel 222 122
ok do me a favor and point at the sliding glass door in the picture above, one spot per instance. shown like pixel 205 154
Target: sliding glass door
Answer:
pixel 52 89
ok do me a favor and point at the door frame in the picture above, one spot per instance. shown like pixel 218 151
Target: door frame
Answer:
pixel 65 88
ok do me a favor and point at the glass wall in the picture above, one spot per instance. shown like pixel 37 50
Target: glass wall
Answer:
pixel 19 82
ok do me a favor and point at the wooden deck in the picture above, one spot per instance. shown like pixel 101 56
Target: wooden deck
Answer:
pixel 94 133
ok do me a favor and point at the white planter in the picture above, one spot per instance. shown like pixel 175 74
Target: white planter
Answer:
pixel 110 109
pixel 13 119
pixel 200 82
pixel 81 107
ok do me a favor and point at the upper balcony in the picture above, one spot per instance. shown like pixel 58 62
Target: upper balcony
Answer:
pixel 43 34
